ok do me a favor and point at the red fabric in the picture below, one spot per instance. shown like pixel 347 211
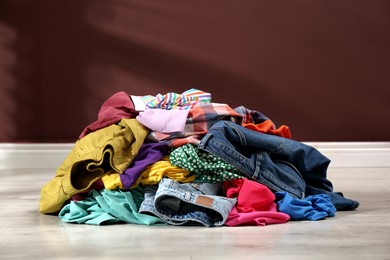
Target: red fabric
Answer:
pixel 251 196
pixel 256 218
pixel 255 204
pixel 115 108
pixel 268 127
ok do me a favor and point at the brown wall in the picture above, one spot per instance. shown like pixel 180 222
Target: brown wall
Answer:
pixel 320 67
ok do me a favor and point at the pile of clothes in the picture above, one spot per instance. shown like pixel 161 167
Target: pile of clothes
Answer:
pixel 180 159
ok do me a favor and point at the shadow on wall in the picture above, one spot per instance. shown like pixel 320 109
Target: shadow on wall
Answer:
pixel 19 75
pixel 298 64
pixel 135 50
pixel 135 47
pixel 152 61
pixel 8 82
pixel 63 59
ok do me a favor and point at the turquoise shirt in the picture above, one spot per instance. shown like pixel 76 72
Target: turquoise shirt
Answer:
pixel 108 207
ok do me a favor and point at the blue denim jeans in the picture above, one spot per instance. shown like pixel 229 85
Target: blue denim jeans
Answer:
pixel 187 203
pixel 279 163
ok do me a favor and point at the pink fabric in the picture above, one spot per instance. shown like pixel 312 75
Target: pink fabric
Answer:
pixel 115 108
pixel 255 204
pixel 256 218
pixel 162 120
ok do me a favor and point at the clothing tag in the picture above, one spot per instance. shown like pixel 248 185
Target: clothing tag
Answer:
pixel 206 201
pixel 139 104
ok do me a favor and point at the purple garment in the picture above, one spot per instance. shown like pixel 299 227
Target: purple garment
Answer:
pixel 148 154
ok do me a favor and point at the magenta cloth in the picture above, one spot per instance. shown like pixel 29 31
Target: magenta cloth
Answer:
pixel 255 204
pixel 115 108
pixel 256 218
pixel 148 154
pixel 164 121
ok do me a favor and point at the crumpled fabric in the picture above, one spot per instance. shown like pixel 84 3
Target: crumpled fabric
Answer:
pixel 109 149
pixel 154 173
pixel 314 207
pixel 108 207
pixel 187 203
pixel 171 100
pixel 257 121
pixel 255 204
pixel 200 119
pixel 115 108
pixel 164 121
pixel 206 166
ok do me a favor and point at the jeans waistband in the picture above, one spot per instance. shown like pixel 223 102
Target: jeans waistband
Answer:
pixel 187 203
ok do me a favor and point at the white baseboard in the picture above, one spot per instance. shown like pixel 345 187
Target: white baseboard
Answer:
pixel 33 156
pixel 355 154
pixel 50 156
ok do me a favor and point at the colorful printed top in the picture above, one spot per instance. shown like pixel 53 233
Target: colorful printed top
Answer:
pixel 171 100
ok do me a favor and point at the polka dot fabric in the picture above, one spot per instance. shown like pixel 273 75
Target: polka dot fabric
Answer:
pixel 206 167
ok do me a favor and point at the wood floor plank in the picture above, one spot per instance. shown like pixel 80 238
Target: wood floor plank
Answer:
pixel 360 234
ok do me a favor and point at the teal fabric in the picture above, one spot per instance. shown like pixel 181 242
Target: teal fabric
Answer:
pixel 107 207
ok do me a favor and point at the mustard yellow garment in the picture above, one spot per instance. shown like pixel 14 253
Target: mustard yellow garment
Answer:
pixel 163 168
pixel 112 181
pixel 108 149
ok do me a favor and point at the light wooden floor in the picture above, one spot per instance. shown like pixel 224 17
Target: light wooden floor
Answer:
pixel 360 234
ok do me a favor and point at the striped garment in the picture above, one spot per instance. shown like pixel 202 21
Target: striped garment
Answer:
pixel 187 100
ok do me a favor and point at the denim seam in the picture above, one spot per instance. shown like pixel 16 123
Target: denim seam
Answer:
pixel 230 151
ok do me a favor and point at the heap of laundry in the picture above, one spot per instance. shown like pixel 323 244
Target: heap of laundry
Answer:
pixel 180 159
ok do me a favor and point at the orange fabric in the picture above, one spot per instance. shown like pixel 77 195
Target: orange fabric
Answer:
pixel 268 127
